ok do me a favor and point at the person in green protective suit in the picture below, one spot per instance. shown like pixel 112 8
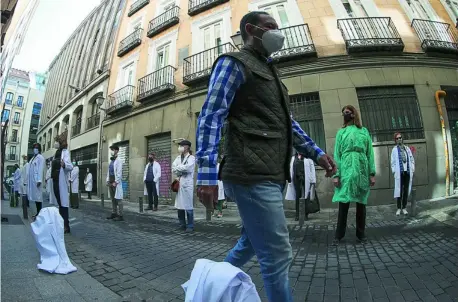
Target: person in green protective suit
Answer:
pixel 355 175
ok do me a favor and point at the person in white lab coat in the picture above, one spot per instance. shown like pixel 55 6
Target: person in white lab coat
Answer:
pixel 88 183
pixel 402 167
pixel 17 185
pixel 151 178
pixel 48 179
pixel 114 183
pixel 35 177
pixel 74 180
pixel 302 177
pixel 183 168
pixel 61 167
pixel 25 179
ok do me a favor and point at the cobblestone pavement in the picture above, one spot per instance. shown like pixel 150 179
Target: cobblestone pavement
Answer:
pixel 147 259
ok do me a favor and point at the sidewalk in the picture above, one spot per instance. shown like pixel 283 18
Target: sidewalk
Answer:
pixel 22 281
pixel 444 210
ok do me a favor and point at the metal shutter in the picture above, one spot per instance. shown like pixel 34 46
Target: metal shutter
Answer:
pixel 123 155
pixel 161 146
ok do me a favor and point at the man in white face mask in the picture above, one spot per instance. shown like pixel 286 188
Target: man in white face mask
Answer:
pixel 246 93
pixel 114 183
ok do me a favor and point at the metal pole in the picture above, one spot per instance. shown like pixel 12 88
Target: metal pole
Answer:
pixel 140 204
pixel 24 207
pixel 102 200
pixel 413 203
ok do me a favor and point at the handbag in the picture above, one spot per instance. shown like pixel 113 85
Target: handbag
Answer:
pixel 312 203
pixel 175 186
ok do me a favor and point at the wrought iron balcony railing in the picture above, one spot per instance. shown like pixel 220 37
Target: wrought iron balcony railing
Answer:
pixel 130 42
pixel 16 122
pixel 76 129
pixel 197 6
pixel 436 36
pixel 197 67
pixel 14 139
pixel 136 6
pixel 370 34
pixel 298 43
pixel 157 82
pixel 121 99
pixel 11 156
pixel 93 121
pixel 165 20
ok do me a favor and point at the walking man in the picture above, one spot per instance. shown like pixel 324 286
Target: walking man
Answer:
pixel 114 183
pixel 35 178
pixel 151 179
pixel 245 91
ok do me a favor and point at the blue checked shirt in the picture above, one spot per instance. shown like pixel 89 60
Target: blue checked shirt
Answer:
pixel 226 79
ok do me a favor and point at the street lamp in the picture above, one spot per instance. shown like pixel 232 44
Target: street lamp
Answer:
pixel 237 39
pixel 99 101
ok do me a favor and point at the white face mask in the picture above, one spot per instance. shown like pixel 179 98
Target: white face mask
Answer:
pixel 35 151
pixel 272 40
pixel 112 153
pixel 180 149
pixel 56 145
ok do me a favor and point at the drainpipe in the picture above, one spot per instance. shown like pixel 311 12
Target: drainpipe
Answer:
pixel 438 94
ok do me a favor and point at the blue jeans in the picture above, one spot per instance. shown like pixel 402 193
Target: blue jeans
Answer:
pixel 182 219
pixel 264 234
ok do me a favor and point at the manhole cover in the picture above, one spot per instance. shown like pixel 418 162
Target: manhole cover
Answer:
pixel 12 219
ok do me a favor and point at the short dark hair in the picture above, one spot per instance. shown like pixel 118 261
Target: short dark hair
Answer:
pixel 252 18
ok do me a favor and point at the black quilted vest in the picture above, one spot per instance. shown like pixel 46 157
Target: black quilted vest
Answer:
pixel 258 136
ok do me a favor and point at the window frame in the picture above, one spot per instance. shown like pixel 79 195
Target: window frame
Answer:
pixel 18 119
pixel 156 44
pixel 6 115
pixel 20 97
pixel 9 101
pixel 294 13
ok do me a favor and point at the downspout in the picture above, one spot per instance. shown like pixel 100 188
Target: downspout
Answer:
pixel 438 94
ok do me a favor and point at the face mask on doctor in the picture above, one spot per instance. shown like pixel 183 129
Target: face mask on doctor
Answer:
pixel 272 39
pixel 35 151
pixel 56 145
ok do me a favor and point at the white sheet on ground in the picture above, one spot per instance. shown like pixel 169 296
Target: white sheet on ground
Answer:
pixel 48 231
pixel 219 282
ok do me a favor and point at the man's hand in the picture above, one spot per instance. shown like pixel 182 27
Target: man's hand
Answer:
pixel 327 163
pixel 38 184
pixel 208 195
pixel 336 182
pixel 62 164
pixel 372 181
pixel 114 184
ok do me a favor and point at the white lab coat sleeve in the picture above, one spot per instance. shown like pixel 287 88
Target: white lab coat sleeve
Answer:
pixel 393 160
pixel 290 190
pixel 188 165
pixel 312 171
pixel 145 172
pixel 40 169
pixel 118 171
pixel 157 171
pixel 108 172
pixel 66 159
pixel 175 164
pixel 412 160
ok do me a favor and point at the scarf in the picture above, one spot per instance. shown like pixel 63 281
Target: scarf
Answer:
pixel 401 168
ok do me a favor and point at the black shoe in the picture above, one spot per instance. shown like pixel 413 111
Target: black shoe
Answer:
pixel 362 240
pixel 189 230
pixel 113 216
pixel 118 218
pixel 155 209
pixel 335 242
pixel 149 209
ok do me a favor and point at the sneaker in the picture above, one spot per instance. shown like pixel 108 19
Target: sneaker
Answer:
pixel 398 212
pixel 112 216
pixel 220 215
pixel 404 212
pixel 118 218
pixel 189 230
pixel 362 240
pixel 335 242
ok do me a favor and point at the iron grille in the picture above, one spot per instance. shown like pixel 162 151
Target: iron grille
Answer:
pixel 436 36
pixel 76 129
pixel 163 21
pixel 136 6
pixel 369 34
pixel 85 154
pixel 197 6
pixel 391 109
pixel 121 98
pixel 93 121
pixel 298 42
pixel 306 110
pixel 159 81
pixel 130 42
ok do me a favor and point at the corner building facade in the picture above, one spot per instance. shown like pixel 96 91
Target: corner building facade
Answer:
pixel 388 58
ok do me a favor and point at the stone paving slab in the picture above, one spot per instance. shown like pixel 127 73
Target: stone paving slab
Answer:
pixel 22 281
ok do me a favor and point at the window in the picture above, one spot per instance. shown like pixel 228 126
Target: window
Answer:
pixel 164 6
pixel 20 101
pixel 211 31
pixel 306 110
pixel 386 110
pixel 128 75
pixel 278 11
pixel 17 118
pixel 9 98
pixel 14 135
pixel 12 151
pixel 36 108
pixel 212 36
pixel 451 6
pixel 162 59
pixel 285 12
pixel 6 115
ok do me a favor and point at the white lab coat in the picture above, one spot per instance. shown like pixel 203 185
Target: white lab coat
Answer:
pixel 75 179
pixel 310 178
pixel 157 176
pixel 24 178
pixel 17 180
pixel 63 181
pixel 219 281
pixel 185 196
pixel 88 182
pixel 395 169
pixel 118 179
pixel 48 231
pixel 49 187
pixel 36 169
pixel 221 195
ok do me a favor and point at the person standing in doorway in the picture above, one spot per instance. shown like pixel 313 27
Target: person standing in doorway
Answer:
pixel 151 178
pixel 25 179
pixel 403 167
pixel 74 180
pixel 88 183
pixel 114 183
pixel 355 172
pixel 246 93
pixel 17 185
pixel 35 178
pixel 61 167
pixel 183 168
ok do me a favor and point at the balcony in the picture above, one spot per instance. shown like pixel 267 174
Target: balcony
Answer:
pixel 121 99
pixel 14 140
pixel 370 34
pixel 16 122
pixel 130 42
pixel 436 37
pixel 136 6
pixel 76 129
pixel 197 6
pixel 156 83
pixel 298 44
pixel 93 121
pixel 197 68
pixel 11 156
pixel 163 21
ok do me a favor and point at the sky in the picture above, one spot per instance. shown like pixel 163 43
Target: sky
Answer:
pixel 52 24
